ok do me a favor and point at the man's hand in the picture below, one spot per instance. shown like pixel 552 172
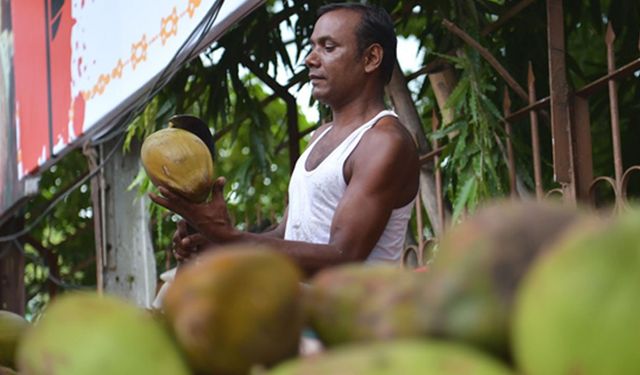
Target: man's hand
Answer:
pixel 187 244
pixel 210 219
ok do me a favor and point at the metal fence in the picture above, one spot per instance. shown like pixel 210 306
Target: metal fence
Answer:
pixel 568 112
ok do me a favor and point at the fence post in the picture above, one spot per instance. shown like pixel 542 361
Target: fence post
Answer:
pixel 582 147
pixel 560 103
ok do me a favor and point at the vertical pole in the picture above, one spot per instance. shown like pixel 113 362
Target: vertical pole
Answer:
pixel 506 106
pixel 535 136
pixel 613 108
pixel 292 129
pixel 419 227
pixel 98 216
pixel 582 147
pixel 438 173
pixel 12 291
pixel 130 268
pixel 560 113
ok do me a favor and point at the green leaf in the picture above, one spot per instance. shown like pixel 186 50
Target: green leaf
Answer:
pixel 463 196
pixel 458 94
pixel 445 131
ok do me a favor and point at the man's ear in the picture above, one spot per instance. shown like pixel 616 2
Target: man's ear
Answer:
pixel 373 57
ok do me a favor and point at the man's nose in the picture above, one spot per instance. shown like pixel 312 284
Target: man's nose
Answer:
pixel 312 59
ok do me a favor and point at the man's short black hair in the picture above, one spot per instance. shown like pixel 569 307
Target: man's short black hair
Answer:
pixel 375 26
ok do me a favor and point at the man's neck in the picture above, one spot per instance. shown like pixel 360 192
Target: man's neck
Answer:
pixel 356 112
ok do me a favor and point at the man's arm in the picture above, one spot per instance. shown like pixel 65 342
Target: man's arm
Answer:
pixel 278 231
pixel 382 175
pixel 186 244
pixel 379 171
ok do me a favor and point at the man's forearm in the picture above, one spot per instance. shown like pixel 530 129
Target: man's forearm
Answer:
pixel 308 256
pixel 274 233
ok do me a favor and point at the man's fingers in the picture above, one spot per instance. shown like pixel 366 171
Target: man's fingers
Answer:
pixel 194 242
pixel 180 255
pixel 173 197
pixel 170 201
pixel 182 228
pixel 218 187
pixel 164 191
pixel 176 238
pixel 180 232
pixel 162 201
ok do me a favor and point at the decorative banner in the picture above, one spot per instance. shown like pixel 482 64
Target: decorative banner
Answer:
pixel 78 63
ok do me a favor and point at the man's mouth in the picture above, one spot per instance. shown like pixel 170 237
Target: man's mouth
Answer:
pixel 315 77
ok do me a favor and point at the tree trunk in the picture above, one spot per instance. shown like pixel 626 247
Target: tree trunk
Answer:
pixel 130 267
pixel 404 106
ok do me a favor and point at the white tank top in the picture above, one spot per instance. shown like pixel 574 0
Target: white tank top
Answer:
pixel 314 196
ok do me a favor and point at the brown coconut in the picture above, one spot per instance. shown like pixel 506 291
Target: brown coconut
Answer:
pixel 235 308
pixel 359 302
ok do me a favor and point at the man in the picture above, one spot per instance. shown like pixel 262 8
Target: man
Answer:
pixel 351 192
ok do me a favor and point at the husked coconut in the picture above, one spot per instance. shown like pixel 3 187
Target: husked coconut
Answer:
pixel 180 161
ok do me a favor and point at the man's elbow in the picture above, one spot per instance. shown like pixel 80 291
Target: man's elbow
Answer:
pixel 351 256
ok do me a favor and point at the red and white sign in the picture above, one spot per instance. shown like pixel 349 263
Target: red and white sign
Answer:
pixel 89 56
pixel 68 68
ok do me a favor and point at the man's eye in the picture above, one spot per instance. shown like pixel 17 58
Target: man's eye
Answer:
pixel 329 47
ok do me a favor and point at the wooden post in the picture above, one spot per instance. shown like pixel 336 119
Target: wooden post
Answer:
pixel 130 267
pixel 12 292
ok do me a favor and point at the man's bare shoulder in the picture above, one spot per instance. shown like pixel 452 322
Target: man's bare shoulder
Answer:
pixel 390 135
pixel 387 150
pixel 387 147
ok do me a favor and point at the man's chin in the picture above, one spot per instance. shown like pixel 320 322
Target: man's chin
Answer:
pixel 318 95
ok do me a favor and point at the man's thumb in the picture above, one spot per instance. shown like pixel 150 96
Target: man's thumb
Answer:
pixel 218 186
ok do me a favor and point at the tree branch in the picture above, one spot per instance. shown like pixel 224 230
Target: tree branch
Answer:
pixel 488 57
pixel 292 107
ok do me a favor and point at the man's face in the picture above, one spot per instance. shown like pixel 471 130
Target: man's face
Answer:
pixel 335 67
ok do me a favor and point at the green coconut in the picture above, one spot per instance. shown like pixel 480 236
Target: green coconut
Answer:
pixel 359 302
pixel 179 161
pixel 400 357
pixel 7 371
pixel 12 327
pixel 578 311
pixel 473 281
pixel 235 308
pixel 83 333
